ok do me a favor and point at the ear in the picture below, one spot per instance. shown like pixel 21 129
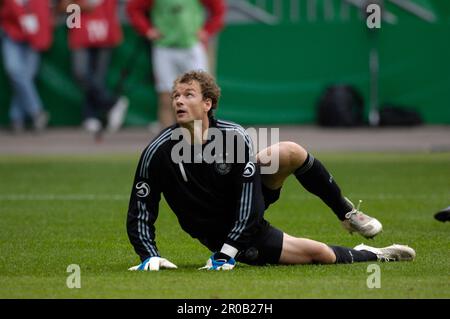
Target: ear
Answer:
pixel 207 105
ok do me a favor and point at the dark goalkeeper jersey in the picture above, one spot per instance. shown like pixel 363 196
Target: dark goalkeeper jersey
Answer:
pixel 216 201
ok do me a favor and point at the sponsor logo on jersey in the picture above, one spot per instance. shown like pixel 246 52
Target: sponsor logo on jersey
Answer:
pixel 249 170
pixel 143 189
pixel 222 168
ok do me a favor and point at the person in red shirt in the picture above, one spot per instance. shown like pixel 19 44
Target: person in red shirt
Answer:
pixel 91 45
pixel 180 31
pixel 27 31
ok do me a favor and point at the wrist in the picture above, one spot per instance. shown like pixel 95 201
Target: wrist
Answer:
pixel 229 250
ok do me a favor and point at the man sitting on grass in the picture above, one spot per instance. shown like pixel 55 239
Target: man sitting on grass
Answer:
pixel 221 199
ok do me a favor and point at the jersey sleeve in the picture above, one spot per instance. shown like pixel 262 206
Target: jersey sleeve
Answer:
pixel 137 14
pixel 249 201
pixel 216 15
pixel 144 205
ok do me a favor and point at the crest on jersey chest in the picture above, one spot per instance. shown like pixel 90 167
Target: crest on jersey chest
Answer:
pixel 222 168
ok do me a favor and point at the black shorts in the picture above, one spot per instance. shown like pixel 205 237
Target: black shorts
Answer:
pixel 265 248
pixel 270 195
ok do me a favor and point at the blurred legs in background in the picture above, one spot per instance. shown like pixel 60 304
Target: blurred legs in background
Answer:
pixel 21 63
pixel 168 63
pixel 90 67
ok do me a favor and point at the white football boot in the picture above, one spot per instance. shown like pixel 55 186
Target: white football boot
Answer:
pixel 117 114
pixel 358 222
pixel 394 252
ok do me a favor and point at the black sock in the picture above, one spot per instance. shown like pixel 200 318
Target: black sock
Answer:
pixel 315 178
pixel 346 255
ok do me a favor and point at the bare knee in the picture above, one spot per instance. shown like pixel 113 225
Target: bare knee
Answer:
pixel 292 155
pixel 320 253
pixel 286 157
pixel 305 251
pixel 324 255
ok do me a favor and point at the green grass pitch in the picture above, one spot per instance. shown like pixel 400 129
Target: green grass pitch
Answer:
pixel 61 210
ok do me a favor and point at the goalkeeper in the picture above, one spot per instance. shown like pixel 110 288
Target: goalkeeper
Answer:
pixel 222 202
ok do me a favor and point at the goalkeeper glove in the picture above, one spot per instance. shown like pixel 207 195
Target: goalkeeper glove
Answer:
pixel 154 264
pixel 219 261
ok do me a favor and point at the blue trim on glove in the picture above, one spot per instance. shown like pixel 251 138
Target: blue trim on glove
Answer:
pixel 142 265
pixel 216 263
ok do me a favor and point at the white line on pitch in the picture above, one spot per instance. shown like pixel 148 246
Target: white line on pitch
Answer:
pixel 377 196
pixel 118 197
pixel 62 197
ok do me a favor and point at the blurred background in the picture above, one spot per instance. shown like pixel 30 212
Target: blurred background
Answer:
pixel 274 60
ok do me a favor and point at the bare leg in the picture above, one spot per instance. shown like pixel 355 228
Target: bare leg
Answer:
pixel 295 250
pixel 305 251
pixel 313 176
pixel 165 112
pixel 301 250
pixel 291 157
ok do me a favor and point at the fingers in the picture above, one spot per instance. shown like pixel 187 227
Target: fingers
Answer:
pixel 154 264
pixel 209 266
pixel 226 267
pixel 164 263
pixel 134 268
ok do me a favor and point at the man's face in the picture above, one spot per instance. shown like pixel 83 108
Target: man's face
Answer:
pixel 188 103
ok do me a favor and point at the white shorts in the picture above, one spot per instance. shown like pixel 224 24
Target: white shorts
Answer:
pixel 168 63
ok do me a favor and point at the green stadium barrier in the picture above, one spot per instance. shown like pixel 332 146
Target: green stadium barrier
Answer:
pixel 276 73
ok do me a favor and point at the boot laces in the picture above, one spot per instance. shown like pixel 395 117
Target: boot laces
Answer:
pixel 354 211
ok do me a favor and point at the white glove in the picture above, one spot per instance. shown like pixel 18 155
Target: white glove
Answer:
pixel 214 263
pixel 154 264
